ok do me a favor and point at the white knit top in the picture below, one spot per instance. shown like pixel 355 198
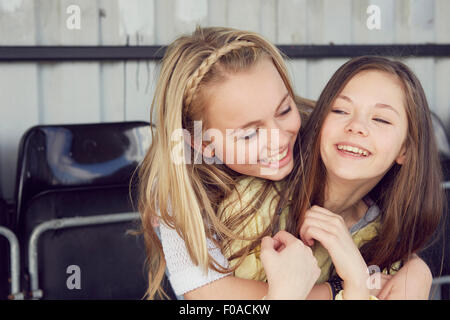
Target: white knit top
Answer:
pixel 183 274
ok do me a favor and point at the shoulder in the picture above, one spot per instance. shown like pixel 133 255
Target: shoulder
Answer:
pixel 246 193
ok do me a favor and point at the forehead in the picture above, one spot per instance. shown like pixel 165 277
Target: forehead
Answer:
pixel 374 86
pixel 245 96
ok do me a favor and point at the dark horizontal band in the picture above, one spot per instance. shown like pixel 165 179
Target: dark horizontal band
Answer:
pixel 95 53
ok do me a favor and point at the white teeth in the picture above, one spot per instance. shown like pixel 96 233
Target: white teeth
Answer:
pixel 277 157
pixel 353 149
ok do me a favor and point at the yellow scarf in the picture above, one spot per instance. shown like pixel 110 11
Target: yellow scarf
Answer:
pixel 251 267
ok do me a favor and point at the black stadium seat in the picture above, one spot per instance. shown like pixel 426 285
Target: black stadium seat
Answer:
pixel 75 213
pixel 437 253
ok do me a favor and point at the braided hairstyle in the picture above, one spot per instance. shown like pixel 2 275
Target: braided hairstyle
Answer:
pixel 206 65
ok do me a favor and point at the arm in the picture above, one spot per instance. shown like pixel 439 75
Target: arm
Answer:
pixel 189 280
pixel 231 287
pixel 330 230
pixel 411 282
pixel 183 274
pixel 291 271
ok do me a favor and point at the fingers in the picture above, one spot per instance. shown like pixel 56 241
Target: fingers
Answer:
pixel 284 237
pixel 279 242
pixel 385 291
pixel 322 213
pixel 308 229
pixel 312 233
pixel 267 244
pixel 315 222
pixel 267 250
pixel 321 218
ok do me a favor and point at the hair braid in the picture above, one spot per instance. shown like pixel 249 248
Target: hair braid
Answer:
pixel 206 65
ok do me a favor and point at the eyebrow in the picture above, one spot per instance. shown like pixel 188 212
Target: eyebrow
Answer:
pixel 251 123
pixel 378 105
pixel 386 106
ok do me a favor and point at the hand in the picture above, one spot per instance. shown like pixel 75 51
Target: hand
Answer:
pixel 330 230
pixel 377 282
pixel 411 282
pixel 290 267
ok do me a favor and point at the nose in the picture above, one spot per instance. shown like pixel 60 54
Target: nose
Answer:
pixel 357 126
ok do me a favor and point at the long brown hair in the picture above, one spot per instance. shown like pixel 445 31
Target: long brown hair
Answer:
pixel 186 196
pixel 410 195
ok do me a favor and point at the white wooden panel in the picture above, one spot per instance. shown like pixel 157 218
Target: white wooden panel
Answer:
pixel 337 31
pixel 315 22
pixel 112 90
pixel 176 17
pixel 136 21
pixel 217 13
pixel 318 74
pixel 52 17
pixel 70 93
pixel 18 112
pixel 268 20
pixel 298 70
pixel 292 22
pixel 424 68
pixel 361 32
pixel 112 31
pixel 442 21
pixel 17 22
pixel 244 15
pixel 111 24
pixel 323 27
pixel 139 86
pixel 442 80
pixel 414 21
pixel 165 21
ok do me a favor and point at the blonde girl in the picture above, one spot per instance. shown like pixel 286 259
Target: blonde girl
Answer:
pixel 234 83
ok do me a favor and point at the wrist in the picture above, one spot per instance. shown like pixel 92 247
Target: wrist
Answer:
pixel 283 295
pixel 356 290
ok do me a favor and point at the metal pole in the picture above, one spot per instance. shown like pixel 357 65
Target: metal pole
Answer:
pixel 14 252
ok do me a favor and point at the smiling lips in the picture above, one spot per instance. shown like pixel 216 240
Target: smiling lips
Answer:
pixel 270 161
pixel 353 150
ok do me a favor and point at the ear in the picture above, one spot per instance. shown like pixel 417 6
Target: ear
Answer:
pixel 207 147
pixel 401 156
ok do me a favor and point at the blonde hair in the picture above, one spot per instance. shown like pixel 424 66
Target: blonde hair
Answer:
pixel 186 197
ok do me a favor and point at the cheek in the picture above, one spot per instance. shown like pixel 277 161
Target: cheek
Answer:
pixel 237 152
pixel 392 150
pixel 325 134
pixel 294 122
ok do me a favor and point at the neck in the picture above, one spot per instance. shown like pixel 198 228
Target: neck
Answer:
pixel 344 197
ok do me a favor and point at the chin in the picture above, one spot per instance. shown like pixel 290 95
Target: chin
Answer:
pixel 276 175
pixel 349 175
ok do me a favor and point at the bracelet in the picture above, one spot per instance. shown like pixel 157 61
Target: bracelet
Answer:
pixel 340 296
pixel 331 290
pixel 335 286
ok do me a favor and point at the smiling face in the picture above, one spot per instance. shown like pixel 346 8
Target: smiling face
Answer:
pixel 253 122
pixel 364 133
